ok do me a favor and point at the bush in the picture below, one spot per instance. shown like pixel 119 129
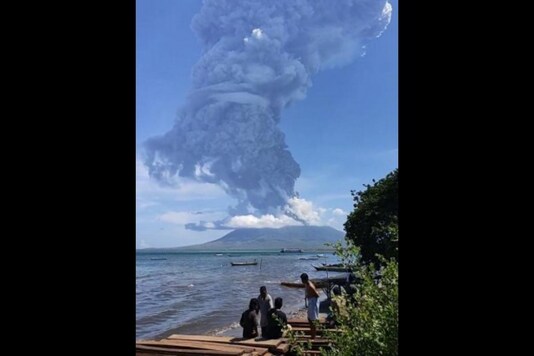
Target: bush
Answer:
pixel 369 321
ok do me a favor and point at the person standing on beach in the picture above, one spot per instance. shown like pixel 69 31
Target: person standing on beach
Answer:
pixel 266 304
pixel 313 303
pixel 250 320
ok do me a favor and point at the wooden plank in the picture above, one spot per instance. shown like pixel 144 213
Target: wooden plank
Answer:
pixel 186 352
pixel 282 348
pixel 200 344
pixel 187 344
pixel 233 340
pixel 265 343
pixel 316 341
pixel 175 353
pixel 152 353
pixel 304 321
pixel 307 330
pixel 202 338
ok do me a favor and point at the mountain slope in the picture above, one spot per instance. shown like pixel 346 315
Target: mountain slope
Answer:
pixel 304 237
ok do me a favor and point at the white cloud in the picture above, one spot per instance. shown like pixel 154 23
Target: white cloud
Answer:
pixel 150 193
pixel 301 209
pixel 185 217
pixel 257 33
pixel 268 220
pixel 304 210
pixel 143 244
pixel 339 212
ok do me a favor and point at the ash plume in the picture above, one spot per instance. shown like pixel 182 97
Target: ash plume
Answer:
pixel 258 58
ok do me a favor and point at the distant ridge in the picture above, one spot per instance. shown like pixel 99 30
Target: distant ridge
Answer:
pixel 303 237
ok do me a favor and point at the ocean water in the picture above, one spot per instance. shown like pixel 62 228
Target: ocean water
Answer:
pixel 201 293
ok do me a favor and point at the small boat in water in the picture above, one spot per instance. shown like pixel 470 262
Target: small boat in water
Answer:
pixel 218 254
pixel 291 250
pixel 158 259
pixel 248 263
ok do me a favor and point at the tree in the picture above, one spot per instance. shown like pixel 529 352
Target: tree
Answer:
pixel 373 225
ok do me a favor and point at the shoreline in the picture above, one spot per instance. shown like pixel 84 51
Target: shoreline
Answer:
pixel 235 330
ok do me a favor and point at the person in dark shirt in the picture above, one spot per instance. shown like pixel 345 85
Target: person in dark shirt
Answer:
pixel 250 319
pixel 277 320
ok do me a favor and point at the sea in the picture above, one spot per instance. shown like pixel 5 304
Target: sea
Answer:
pixel 202 293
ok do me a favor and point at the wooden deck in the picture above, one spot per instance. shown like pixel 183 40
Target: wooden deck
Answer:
pixel 185 345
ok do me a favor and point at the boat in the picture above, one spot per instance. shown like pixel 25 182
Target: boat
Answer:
pixel 309 258
pixel 292 285
pixel 291 250
pixel 318 282
pixel 218 254
pixel 158 259
pixel 320 255
pixel 249 263
pixel 333 268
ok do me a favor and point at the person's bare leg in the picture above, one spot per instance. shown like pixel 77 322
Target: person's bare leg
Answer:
pixel 312 329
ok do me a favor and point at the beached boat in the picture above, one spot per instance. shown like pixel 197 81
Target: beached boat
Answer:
pixel 249 263
pixel 292 285
pixel 318 282
pixel 332 268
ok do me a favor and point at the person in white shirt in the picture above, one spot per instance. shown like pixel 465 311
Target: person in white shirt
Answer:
pixel 266 304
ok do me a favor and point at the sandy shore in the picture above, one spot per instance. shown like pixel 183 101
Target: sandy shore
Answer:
pixel 302 313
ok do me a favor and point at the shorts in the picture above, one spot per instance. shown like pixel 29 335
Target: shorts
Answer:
pixel 313 308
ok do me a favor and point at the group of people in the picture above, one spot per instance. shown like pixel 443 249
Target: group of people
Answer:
pixel 262 312
pixel 273 322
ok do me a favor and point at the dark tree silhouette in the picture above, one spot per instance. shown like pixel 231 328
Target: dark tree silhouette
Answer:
pixel 373 225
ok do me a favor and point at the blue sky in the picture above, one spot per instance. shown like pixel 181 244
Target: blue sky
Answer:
pixel 343 134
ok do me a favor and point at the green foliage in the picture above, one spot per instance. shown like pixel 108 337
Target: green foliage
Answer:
pixel 348 253
pixel 369 323
pixel 296 348
pixel 368 319
pixel 373 225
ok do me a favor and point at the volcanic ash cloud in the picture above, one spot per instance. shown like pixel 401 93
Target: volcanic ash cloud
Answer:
pixel 258 58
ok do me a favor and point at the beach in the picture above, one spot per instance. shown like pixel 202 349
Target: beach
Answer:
pixel 203 294
pixel 295 314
